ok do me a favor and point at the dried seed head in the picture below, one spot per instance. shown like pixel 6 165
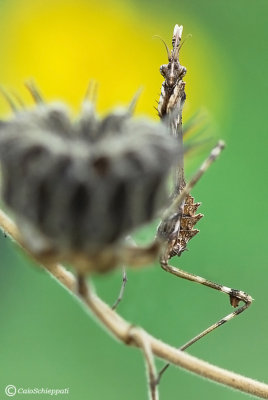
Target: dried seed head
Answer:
pixel 78 186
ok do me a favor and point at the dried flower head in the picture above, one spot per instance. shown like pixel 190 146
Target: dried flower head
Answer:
pixel 81 186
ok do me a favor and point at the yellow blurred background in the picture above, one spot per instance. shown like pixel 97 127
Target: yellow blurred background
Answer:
pixel 63 44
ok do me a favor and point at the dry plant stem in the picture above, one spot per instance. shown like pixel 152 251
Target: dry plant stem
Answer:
pixel 135 334
pixel 60 273
pixel 121 329
pixel 138 335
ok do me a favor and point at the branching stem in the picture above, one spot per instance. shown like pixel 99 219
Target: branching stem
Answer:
pixel 123 331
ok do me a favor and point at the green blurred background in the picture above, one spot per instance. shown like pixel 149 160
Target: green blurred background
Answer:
pixel 47 339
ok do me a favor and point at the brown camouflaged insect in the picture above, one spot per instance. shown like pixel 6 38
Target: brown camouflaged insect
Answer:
pixel 78 188
pixel 177 226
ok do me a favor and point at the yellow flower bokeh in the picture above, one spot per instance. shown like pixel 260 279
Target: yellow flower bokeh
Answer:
pixel 63 44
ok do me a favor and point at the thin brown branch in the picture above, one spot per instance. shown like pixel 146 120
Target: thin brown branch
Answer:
pixel 123 331
pixel 142 341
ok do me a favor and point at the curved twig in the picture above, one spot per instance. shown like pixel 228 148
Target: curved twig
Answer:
pixel 123 330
